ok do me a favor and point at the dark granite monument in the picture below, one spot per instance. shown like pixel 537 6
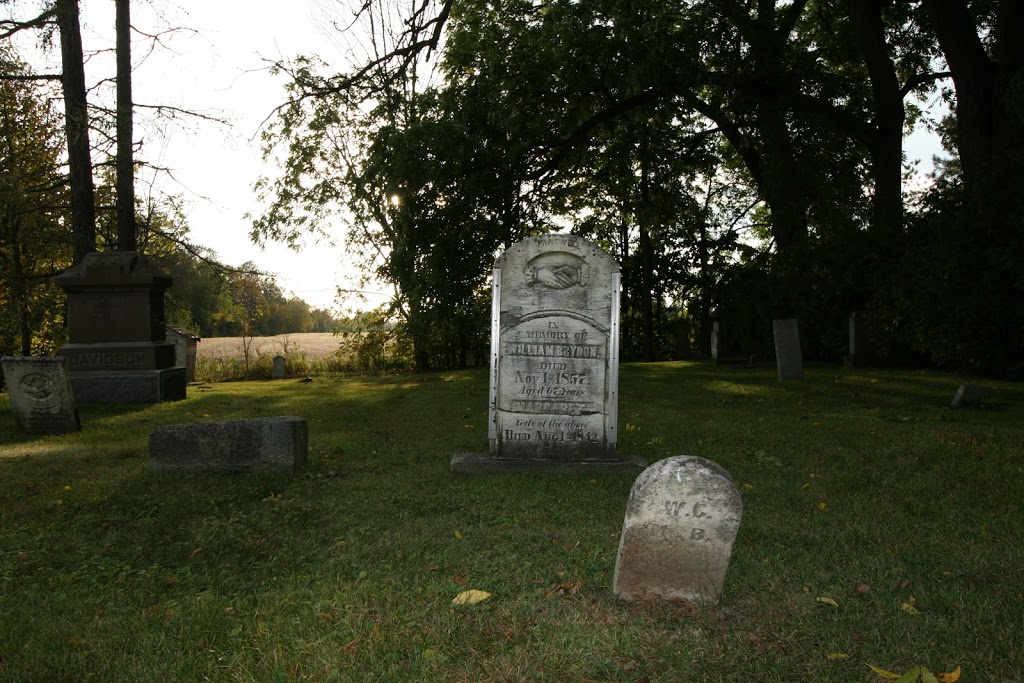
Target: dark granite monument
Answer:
pixel 117 349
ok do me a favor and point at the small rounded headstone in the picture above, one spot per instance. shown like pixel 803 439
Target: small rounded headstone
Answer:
pixel 681 521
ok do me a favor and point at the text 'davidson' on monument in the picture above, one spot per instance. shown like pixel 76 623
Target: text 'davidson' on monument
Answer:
pixel 554 358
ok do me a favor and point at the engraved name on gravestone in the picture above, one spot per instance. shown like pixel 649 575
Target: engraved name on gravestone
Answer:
pixel 681 522
pixel 554 348
pixel 40 394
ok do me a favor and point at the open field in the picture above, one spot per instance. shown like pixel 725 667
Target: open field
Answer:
pixel 313 345
pixel 880 527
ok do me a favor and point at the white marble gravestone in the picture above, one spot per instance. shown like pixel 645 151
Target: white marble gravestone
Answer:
pixel 41 395
pixel 681 521
pixel 788 356
pixel 554 359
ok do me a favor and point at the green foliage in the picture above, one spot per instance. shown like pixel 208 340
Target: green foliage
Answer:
pixel 34 238
pixel 712 147
pixel 373 344
pixel 954 297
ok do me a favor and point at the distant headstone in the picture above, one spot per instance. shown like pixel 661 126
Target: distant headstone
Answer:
pixel 715 331
pixel 185 350
pixel 787 349
pixel 278 371
pixel 860 349
pixel 41 395
pixel 268 443
pixel 967 395
pixel 681 521
pixel 554 359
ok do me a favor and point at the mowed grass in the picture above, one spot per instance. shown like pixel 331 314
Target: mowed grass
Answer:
pixel 860 486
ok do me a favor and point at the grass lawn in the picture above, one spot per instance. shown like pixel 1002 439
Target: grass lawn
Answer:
pixel 859 486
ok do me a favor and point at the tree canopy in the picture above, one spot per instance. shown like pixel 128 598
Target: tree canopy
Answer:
pixel 741 158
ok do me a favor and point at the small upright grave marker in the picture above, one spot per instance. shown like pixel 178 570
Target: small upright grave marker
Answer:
pixel 278 371
pixel 554 359
pixel 967 395
pixel 681 521
pixel 714 342
pixel 787 349
pixel 40 394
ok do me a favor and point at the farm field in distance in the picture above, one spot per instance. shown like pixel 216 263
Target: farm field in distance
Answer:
pixel 313 345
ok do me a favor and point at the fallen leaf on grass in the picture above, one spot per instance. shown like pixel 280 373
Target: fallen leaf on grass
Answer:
pixel 836 656
pixel 918 674
pixel 458 534
pixel 883 673
pixel 470 597
pixel 862 588
pixel 828 601
pixel 909 609
pixel 821 506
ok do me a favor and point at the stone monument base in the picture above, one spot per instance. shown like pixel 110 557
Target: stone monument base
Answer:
pixel 483 463
pixel 130 386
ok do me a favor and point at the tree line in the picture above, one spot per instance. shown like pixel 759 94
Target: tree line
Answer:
pixel 742 159
pixel 36 240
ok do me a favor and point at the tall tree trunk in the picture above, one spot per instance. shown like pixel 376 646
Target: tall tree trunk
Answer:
pixel 886 145
pixel 990 127
pixel 624 299
pixel 126 234
pixel 783 190
pixel 646 297
pixel 76 119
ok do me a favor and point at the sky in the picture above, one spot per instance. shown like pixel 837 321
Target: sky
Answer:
pixel 222 69
pixel 219 66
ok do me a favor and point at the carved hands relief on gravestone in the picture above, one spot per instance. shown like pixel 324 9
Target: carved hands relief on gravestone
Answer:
pixel 681 522
pixel 555 351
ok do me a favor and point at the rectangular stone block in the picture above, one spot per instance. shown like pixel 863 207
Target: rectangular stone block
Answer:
pixel 41 394
pixel 269 443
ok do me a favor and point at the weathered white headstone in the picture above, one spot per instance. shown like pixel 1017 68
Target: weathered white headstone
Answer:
pixel 278 370
pixel 41 395
pixel 967 395
pixel 681 521
pixel 554 358
pixel 787 349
